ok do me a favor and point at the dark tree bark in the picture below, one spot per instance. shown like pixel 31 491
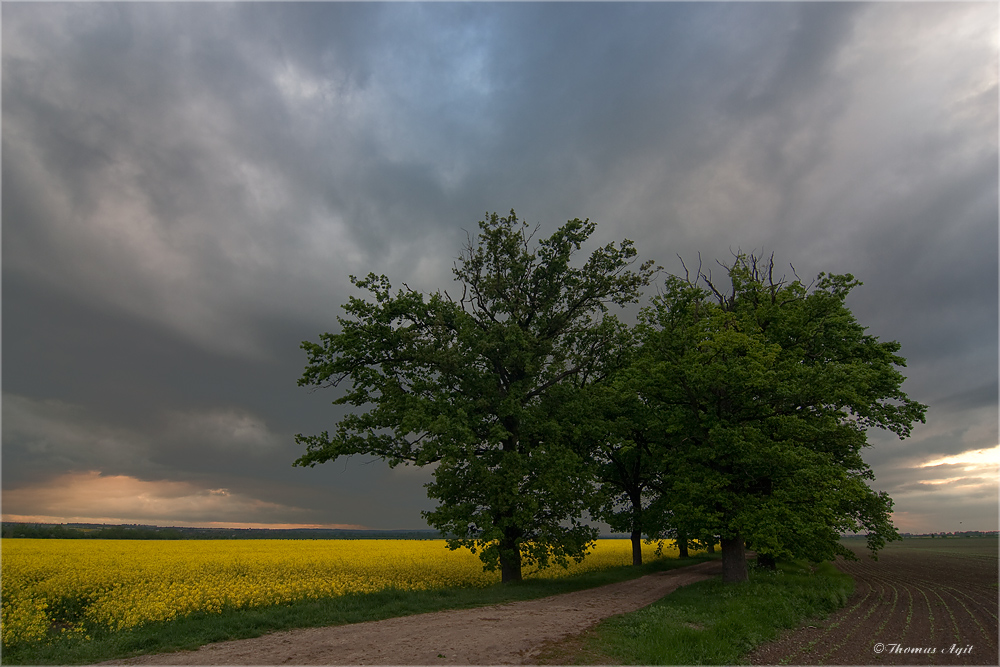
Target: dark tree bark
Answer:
pixel 635 495
pixel 510 567
pixel 734 560
pixel 510 558
pixel 682 545
pixel 636 546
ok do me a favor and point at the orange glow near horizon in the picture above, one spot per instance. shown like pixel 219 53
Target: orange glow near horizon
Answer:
pixel 90 497
pixel 118 521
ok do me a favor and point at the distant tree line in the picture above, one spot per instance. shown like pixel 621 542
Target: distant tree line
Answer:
pixel 59 531
pixel 733 413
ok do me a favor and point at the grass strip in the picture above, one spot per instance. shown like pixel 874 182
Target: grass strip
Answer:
pixel 712 623
pixel 190 632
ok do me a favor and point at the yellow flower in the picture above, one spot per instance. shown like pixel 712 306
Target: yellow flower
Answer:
pixel 122 584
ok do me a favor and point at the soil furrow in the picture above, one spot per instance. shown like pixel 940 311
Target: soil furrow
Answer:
pixel 914 606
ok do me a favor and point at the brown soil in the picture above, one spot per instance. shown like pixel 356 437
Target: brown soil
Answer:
pixel 511 633
pixel 923 602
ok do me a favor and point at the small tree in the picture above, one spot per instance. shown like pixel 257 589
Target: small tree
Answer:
pixel 767 391
pixel 621 426
pixel 488 387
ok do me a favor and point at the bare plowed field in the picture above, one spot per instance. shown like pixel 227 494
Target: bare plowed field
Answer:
pixel 923 602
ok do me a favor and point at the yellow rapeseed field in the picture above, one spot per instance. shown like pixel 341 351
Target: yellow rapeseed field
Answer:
pixel 120 584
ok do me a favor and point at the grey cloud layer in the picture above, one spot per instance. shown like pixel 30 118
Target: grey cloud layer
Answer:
pixel 187 187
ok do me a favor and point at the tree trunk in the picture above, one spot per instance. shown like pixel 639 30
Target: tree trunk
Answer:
pixel 682 545
pixel 734 560
pixel 510 567
pixel 635 497
pixel 766 562
pixel 510 557
pixel 510 546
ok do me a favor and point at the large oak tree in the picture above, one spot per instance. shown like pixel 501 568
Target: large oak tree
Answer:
pixel 767 389
pixel 487 387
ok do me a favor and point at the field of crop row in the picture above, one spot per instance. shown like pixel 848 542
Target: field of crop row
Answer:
pixel 922 602
pixel 55 587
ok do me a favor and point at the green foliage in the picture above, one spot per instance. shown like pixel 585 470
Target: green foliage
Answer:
pixel 765 394
pixel 488 387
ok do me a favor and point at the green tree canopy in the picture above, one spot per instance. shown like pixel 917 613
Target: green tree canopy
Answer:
pixel 488 387
pixel 619 427
pixel 767 390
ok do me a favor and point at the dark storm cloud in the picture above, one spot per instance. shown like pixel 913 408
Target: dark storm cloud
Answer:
pixel 635 99
pixel 95 390
pixel 188 186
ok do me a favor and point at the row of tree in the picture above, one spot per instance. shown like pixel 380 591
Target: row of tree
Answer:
pixel 730 413
pixel 60 532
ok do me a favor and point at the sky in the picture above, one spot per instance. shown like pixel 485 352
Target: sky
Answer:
pixel 187 188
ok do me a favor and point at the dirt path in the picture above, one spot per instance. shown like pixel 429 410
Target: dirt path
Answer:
pixel 924 602
pixel 510 633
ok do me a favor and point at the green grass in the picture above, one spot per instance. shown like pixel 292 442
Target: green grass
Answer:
pixel 190 632
pixel 711 623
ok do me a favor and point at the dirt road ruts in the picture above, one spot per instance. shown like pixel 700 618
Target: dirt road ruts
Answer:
pixel 510 633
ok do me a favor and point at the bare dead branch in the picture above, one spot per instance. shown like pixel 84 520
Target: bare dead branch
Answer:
pixel 687 274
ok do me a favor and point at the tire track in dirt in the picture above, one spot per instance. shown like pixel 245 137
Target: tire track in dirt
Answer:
pixel 511 633
pixel 911 607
